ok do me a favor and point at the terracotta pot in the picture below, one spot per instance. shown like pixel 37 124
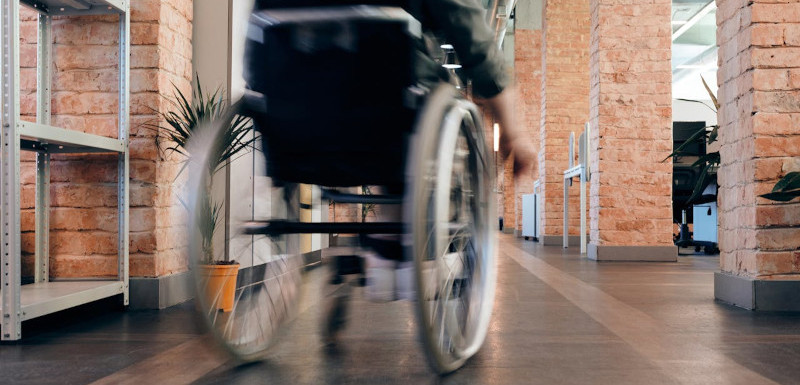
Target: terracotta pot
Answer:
pixel 220 285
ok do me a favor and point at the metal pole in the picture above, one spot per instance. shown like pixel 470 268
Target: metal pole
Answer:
pixel 9 178
pixel 124 157
pixel 566 213
pixel 583 211
pixel 42 210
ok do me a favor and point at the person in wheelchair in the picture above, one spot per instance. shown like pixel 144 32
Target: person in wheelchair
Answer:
pixel 460 23
pixel 347 94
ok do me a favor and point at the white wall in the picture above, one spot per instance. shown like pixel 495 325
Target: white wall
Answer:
pixel 683 111
pixel 220 27
pixel 211 42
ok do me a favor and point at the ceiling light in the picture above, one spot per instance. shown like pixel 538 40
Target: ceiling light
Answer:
pixel 446 46
pixel 451 66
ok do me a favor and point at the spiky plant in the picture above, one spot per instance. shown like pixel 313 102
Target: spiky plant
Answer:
pixel 182 123
pixel 708 163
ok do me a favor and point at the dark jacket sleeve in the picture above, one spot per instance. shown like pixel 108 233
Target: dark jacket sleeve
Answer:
pixel 464 26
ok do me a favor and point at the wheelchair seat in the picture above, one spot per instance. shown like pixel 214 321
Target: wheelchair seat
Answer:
pixel 330 87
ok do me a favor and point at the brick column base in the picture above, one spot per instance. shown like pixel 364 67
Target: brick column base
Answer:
pixel 632 253
pixel 757 294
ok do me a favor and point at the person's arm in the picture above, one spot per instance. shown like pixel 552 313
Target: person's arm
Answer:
pixel 512 140
pixel 463 23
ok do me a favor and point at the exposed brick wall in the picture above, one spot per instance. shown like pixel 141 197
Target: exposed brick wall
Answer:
pixel 759 117
pixel 528 75
pixel 565 103
pixel 83 236
pixel 631 119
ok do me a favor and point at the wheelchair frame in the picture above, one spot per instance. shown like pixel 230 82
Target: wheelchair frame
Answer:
pixel 448 206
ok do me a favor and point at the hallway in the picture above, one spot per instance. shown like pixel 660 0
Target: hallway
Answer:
pixel 559 319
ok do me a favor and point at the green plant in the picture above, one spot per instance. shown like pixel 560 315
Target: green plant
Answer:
pixel 708 163
pixel 182 123
pixel 786 189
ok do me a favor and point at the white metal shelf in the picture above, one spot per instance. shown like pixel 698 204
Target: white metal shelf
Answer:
pixel 41 137
pixel 23 302
pixel 77 7
pixel 43 298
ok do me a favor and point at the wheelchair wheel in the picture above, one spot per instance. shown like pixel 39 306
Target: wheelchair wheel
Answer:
pixel 450 210
pixel 245 310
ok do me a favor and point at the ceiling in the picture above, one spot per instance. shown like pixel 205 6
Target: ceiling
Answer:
pixel 694 48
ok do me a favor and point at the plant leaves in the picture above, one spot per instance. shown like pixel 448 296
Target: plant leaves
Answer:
pixel 697 101
pixel 710 158
pixel 710 94
pixel 783 196
pixel 712 137
pixel 789 182
pixel 702 182
pixel 694 138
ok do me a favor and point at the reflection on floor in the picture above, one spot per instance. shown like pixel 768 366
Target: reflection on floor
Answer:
pixel 559 319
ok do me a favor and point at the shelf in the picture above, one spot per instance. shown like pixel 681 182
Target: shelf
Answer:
pixel 23 302
pixel 49 297
pixel 573 172
pixel 55 140
pixel 76 7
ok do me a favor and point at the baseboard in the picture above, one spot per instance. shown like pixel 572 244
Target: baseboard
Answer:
pixel 632 253
pixel 509 230
pixel 757 294
pixel 558 240
pixel 161 292
pixel 170 290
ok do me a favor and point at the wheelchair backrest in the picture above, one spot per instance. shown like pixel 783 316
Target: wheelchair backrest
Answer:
pixel 332 84
pixel 352 58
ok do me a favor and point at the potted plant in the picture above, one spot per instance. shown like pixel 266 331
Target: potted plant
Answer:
pixel 180 126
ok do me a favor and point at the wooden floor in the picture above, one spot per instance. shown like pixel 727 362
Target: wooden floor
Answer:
pixel 559 319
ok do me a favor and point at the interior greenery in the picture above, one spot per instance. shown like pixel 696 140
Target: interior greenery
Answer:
pixel 187 117
pixel 708 163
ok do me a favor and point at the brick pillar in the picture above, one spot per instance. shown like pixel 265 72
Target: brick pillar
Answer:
pixel 83 237
pixel 509 195
pixel 759 93
pixel 565 106
pixel 528 75
pixel 631 127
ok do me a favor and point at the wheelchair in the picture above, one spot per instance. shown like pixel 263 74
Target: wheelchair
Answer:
pixel 334 99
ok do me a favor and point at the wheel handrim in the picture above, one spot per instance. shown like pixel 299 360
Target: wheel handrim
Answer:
pixel 453 244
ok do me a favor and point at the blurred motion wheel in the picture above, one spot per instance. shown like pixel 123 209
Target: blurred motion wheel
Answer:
pixel 264 297
pixel 449 207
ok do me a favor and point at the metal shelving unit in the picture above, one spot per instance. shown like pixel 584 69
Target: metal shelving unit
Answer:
pixel 24 302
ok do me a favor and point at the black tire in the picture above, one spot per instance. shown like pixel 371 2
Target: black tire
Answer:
pixel 450 210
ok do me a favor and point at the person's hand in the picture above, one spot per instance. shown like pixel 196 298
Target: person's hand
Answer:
pixel 525 159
